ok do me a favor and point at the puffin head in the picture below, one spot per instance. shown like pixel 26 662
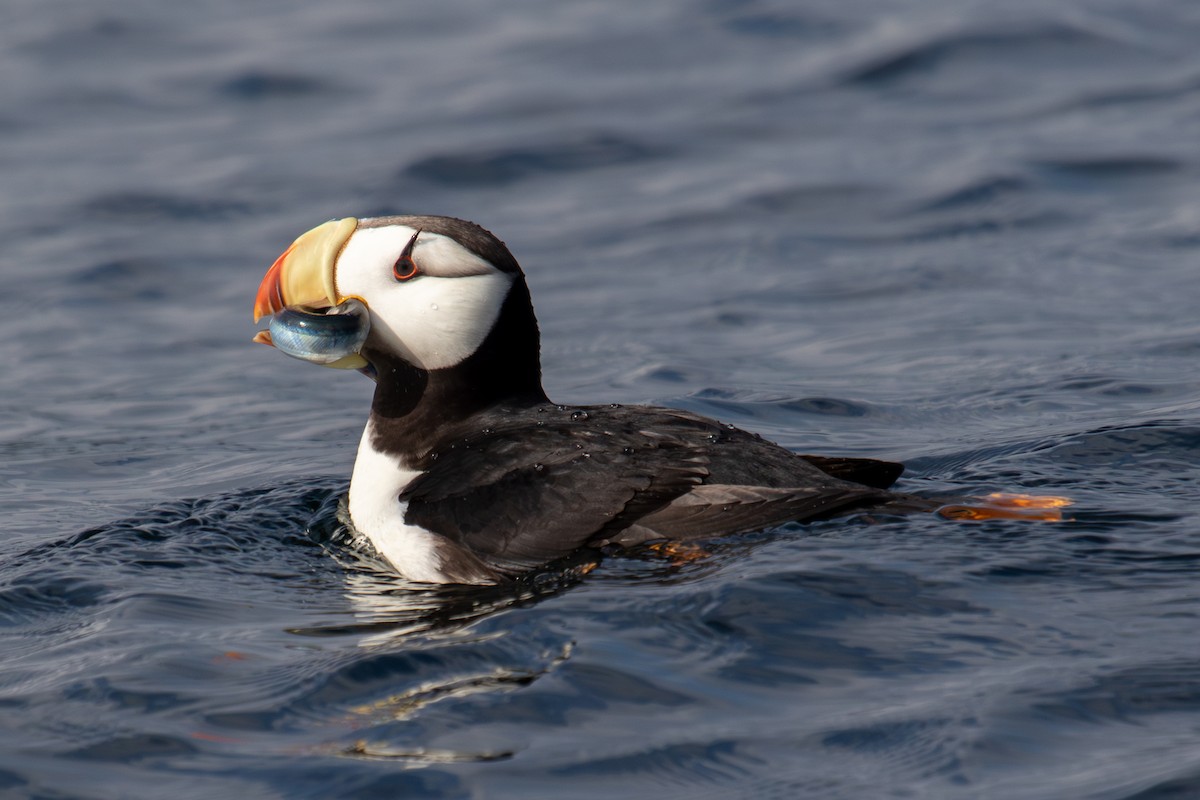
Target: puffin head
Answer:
pixel 435 287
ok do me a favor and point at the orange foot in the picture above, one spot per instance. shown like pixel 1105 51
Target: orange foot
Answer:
pixel 1000 505
pixel 679 552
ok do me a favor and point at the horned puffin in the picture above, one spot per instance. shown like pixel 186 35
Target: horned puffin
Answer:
pixel 467 472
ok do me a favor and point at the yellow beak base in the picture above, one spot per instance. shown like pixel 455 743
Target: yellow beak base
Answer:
pixel 305 274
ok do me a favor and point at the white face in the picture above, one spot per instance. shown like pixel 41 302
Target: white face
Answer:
pixel 436 319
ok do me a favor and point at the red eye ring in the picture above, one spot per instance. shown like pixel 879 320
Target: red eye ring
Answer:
pixel 405 268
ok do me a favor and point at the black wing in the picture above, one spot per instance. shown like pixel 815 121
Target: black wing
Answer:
pixel 534 485
pixel 520 501
pixel 721 510
pixel 867 471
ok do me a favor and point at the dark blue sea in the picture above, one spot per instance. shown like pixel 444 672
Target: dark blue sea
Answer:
pixel 962 235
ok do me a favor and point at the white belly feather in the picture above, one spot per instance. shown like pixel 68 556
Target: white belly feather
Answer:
pixel 378 514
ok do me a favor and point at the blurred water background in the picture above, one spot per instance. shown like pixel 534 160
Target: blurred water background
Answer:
pixel 964 235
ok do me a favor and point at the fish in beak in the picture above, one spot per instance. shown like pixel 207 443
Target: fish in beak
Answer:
pixel 304 278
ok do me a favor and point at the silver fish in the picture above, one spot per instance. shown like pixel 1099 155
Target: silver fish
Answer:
pixel 322 337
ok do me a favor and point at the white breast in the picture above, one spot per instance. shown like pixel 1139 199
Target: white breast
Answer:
pixel 378 514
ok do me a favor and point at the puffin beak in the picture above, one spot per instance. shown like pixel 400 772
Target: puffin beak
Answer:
pixel 305 274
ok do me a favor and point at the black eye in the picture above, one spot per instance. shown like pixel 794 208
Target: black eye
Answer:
pixel 405 268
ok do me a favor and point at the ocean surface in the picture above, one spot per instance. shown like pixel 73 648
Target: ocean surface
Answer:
pixel 962 235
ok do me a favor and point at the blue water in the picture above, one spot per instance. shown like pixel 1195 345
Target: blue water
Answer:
pixel 961 235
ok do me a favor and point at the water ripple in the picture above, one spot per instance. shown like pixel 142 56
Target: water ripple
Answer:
pixel 505 166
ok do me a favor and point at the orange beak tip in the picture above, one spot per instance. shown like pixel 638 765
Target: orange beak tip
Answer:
pixel 264 337
pixel 269 298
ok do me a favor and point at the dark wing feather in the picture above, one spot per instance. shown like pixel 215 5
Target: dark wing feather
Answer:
pixel 519 503
pixel 531 485
pixel 867 471
pixel 718 509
